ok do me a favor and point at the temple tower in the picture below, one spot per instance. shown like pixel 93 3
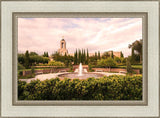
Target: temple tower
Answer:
pixel 63 49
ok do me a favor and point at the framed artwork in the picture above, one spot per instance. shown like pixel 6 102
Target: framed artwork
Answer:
pixel 80 59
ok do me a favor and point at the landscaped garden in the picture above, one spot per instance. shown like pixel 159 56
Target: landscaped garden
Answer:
pixel 114 78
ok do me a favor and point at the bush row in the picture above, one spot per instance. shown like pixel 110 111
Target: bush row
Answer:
pixel 105 88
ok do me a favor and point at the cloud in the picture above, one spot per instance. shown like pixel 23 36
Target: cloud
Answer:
pixel 96 34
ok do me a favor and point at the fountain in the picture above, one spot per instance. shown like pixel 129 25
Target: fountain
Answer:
pixel 80 69
pixel 80 73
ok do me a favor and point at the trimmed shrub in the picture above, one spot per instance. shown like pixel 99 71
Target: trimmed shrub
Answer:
pixel 129 67
pixel 105 88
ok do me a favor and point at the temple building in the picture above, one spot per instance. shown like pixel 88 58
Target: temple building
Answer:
pixel 63 49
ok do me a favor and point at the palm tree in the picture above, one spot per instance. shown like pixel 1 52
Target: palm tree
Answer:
pixel 137 46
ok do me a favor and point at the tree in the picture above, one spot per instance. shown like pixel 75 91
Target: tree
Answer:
pixel 105 55
pixel 123 60
pixel 68 60
pixel 70 67
pixel 87 56
pixel 99 56
pixel 96 56
pixel 33 54
pixel 65 55
pixel 128 66
pixel 84 57
pixel 21 58
pixel 117 59
pixel 133 56
pixel 112 56
pixel 65 59
pixel 20 66
pixel 79 56
pixel 56 56
pixel 109 62
pixel 45 54
pixel 122 54
pixel 102 63
pixel 90 68
pixel 93 60
pixel 75 57
pixel 137 46
pixel 137 57
pixel 26 60
pixel 32 69
pixel 35 59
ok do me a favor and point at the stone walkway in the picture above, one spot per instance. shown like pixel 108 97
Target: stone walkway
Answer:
pixel 43 77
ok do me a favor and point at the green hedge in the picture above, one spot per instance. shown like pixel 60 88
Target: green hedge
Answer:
pixel 106 88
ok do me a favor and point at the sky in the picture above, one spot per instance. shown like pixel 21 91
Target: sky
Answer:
pixel 96 34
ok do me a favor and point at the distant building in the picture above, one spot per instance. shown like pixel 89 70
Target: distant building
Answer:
pixel 115 54
pixel 63 49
